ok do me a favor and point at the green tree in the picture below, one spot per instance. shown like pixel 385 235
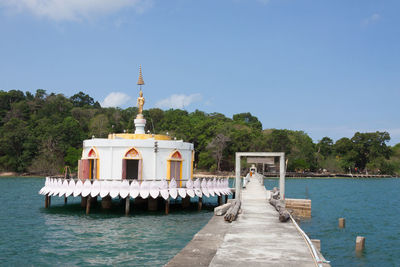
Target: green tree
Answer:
pixel 83 100
pixel 12 137
pixel 369 147
pixel 99 126
pixel 154 118
pixel 217 147
pixel 325 146
pixel 279 141
pixel 248 119
pixel 302 152
pixel 72 156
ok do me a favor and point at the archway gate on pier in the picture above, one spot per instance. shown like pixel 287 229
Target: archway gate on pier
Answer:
pixel 281 156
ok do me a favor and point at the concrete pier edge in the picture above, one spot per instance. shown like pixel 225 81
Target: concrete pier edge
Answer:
pixel 204 245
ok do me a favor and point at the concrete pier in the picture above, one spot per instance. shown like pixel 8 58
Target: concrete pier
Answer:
pixel 256 238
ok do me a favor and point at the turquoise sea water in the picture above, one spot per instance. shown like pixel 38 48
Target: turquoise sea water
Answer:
pixel 371 208
pixel 63 235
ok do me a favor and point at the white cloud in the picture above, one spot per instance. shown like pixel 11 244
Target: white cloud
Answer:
pixel 73 10
pixel 372 19
pixel 115 99
pixel 178 101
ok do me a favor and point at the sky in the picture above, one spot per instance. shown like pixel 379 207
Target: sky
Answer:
pixel 326 67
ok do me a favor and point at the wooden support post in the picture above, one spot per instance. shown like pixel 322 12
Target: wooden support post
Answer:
pixel 226 199
pixel 200 204
pixel 219 200
pixel 342 223
pixel 83 202
pixel 49 201
pixel 94 201
pixel 106 202
pixel 167 206
pixel 65 200
pixel 360 243
pixel 46 201
pixel 186 202
pixel 88 201
pixel 127 205
pixel 152 204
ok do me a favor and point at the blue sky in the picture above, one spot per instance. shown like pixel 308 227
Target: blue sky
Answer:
pixel 329 68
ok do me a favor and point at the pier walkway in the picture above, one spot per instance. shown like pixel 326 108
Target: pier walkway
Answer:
pixel 257 238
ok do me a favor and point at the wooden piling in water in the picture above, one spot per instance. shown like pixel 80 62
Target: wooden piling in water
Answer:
pixel 219 200
pixel 88 202
pixel 185 202
pixel 167 206
pixel 106 202
pixel 127 205
pixel 152 204
pixel 47 201
pixel 83 202
pixel 342 223
pixel 360 243
pixel 200 204
pixel 65 200
pixel 94 201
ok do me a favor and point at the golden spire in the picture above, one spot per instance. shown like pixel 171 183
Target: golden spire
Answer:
pixel 140 100
pixel 140 81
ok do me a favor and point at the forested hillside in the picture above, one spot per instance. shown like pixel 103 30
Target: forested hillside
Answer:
pixel 41 133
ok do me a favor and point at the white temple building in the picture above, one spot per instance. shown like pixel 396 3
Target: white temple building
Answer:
pixel 136 156
pixel 130 165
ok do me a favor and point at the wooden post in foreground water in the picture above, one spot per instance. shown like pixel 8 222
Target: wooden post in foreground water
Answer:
pixel 342 223
pixel 360 243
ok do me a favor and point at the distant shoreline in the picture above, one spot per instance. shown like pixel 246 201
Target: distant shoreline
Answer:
pixel 203 174
pixel 19 175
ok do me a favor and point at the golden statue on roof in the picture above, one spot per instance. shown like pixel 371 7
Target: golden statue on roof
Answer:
pixel 140 100
pixel 140 103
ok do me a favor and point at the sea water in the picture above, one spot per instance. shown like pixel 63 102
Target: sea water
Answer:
pixel 371 208
pixel 63 235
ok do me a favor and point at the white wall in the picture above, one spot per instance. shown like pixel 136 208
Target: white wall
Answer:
pixel 111 152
